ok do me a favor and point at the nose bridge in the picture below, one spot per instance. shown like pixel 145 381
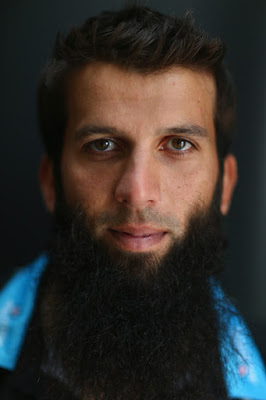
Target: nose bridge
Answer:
pixel 139 182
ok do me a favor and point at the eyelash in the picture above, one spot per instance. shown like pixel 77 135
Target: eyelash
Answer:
pixel 179 152
pixel 87 147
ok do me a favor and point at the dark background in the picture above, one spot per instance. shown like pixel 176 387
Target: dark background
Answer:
pixel 28 29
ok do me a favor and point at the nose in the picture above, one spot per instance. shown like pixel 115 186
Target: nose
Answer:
pixel 139 182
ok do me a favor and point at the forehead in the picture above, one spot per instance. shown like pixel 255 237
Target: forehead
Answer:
pixel 107 93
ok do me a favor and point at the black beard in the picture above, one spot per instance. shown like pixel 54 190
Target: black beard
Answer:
pixel 114 332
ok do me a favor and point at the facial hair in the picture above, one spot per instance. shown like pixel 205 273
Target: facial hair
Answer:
pixel 134 326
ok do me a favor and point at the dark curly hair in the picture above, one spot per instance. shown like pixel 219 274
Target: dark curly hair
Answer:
pixel 141 40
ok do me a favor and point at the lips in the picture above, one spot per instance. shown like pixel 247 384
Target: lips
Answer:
pixel 136 238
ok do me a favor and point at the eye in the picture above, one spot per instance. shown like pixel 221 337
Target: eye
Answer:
pixel 179 144
pixel 101 145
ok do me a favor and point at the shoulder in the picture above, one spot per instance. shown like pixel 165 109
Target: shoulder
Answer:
pixel 17 299
pixel 244 370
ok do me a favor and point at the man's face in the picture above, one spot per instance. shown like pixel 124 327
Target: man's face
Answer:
pixel 139 175
pixel 139 154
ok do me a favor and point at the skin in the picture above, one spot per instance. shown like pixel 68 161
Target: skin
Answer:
pixel 139 154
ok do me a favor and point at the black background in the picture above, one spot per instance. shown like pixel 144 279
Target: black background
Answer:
pixel 28 29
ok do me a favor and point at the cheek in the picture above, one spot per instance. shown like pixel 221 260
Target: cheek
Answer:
pixel 190 188
pixel 90 189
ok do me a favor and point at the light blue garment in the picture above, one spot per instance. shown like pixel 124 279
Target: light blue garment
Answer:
pixel 245 373
pixel 17 300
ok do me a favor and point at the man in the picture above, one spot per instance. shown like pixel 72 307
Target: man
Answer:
pixel 136 112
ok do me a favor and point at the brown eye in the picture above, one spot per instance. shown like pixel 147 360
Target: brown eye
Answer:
pixel 178 144
pixel 102 145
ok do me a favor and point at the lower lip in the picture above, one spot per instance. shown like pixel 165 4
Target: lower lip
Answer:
pixel 137 243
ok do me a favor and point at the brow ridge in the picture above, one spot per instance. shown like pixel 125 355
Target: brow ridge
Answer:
pixel 187 129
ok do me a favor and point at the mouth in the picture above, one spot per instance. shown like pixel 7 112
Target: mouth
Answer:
pixel 137 238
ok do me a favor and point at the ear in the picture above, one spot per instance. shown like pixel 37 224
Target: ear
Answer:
pixel 229 182
pixel 46 180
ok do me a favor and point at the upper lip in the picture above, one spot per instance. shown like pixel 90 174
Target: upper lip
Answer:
pixel 138 230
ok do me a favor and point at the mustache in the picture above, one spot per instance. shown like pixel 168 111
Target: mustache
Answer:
pixel 147 215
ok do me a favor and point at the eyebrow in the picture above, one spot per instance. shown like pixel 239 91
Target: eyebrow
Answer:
pixel 88 130
pixel 193 130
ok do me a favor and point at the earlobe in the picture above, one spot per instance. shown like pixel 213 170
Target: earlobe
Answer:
pixel 46 180
pixel 229 182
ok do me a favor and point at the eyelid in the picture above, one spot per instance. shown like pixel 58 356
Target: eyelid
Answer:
pixel 169 138
pixel 88 145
